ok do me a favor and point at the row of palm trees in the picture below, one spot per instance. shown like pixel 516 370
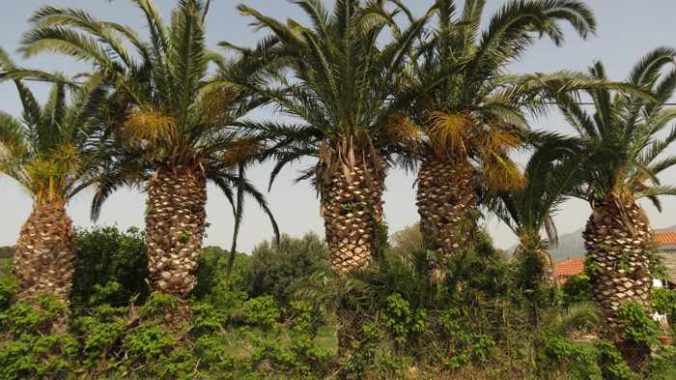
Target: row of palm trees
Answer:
pixel 372 87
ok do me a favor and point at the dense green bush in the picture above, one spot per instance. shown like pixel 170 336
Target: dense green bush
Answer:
pixel 638 324
pixel 275 268
pixel 111 267
pixel 576 289
pixel 214 285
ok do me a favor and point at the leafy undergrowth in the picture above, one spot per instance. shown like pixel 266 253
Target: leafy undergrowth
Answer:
pixel 115 342
pixel 275 318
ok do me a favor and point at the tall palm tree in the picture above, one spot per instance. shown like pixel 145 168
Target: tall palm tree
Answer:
pixel 53 153
pixel 618 235
pixel 344 88
pixel 472 113
pixel 172 121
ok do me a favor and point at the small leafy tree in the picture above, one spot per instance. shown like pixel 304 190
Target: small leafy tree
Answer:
pixel 111 268
pixel 276 268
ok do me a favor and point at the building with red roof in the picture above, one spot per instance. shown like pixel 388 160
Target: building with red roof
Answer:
pixel 666 238
pixel 666 244
pixel 567 268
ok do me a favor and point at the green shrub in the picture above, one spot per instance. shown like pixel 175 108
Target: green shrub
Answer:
pixel 638 325
pixel 111 268
pixel 262 312
pixel 29 347
pixel 149 342
pixel 8 287
pixel 401 322
pixel 101 332
pixel 576 289
pixel 613 365
pixel 365 356
pixel 34 317
pixel 275 268
pixel 557 355
pixel 36 356
pixel 664 301
pixel 214 285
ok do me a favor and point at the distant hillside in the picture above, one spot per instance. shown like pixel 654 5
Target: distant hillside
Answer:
pixel 570 245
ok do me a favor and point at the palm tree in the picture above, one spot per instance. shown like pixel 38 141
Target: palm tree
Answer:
pixel 618 236
pixel 171 121
pixel 553 171
pixel 52 152
pixel 472 113
pixel 344 87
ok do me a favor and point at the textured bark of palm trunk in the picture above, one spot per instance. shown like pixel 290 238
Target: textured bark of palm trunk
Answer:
pixel 446 194
pixel 175 224
pixel 352 210
pixel 617 239
pixel 45 253
pixel 347 330
pixel 547 275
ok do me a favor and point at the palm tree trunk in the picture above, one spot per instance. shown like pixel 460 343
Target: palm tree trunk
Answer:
pixel 617 239
pixel 353 210
pixel 544 259
pixel 175 224
pixel 446 195
pixel 45 254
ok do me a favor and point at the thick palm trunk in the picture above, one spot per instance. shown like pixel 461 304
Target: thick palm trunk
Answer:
pixel 446 194
pixel 617 239
pixel 545 272
pixel 175 225
pixel 45 254
pixel 353 209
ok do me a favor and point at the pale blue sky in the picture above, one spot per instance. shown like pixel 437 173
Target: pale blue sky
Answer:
pixel 626 30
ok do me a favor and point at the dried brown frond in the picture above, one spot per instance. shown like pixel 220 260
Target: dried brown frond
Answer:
pixel 400 128
pixel 500 173
pixel 240 150
pixel 216 104
pixel 448 133
pixel 149 126
pixel 498 140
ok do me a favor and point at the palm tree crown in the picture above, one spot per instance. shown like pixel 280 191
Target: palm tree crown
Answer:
pixel 344 83
pixel 468 105
pixel 631 125
pixel 52 150
pixel 556 167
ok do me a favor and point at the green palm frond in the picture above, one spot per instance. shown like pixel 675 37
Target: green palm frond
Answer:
pixel 627 119
pixel 460 70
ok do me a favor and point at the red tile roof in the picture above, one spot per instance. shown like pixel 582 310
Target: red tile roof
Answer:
pixel 665 238
pixel 569 267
